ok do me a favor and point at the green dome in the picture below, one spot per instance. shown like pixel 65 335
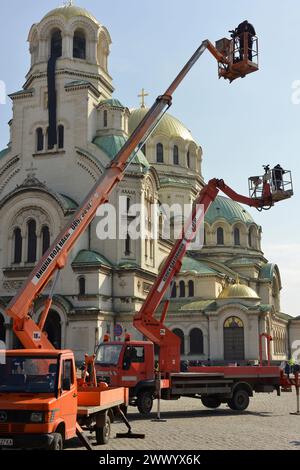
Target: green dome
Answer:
pixel 114 103
pixel 112 144
pixel 231 211
pixel 169 126
pixel 91 257
pixel 69 12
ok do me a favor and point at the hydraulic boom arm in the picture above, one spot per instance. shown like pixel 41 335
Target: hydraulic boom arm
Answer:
pixel 29 333
pixel 144 321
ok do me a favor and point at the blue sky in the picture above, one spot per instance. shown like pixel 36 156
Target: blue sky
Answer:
pixel 240 126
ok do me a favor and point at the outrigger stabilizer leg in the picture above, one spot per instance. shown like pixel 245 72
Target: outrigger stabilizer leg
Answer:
pixel 84 441
pixel 129 434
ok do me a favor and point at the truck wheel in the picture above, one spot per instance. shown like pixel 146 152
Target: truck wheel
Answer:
pixel 57 443
pixel 103 434
pixel 211 402
pixel 144 402
pixel 239 401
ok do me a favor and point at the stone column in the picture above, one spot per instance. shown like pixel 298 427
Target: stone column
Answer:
pixel 186 341
pixel 67 46
pixel 92 50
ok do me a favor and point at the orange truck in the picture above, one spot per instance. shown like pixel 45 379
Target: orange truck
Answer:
pixel 43 404
pixel 41 401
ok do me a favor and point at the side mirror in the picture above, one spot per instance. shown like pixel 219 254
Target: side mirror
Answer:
pixel 66 385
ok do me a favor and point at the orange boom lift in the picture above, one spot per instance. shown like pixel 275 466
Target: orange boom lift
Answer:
pixel 41 402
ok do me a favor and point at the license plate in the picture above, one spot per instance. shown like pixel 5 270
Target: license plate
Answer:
pixel 6 442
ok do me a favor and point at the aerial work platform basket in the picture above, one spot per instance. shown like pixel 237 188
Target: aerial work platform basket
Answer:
pixel 241 56
pixel 279 180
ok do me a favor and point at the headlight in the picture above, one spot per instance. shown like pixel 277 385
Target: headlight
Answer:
pixel 36 417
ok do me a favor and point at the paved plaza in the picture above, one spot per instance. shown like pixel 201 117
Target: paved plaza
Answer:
pixel 267 424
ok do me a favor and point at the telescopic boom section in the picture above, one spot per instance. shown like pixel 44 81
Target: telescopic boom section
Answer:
pixel 144 321
pixel 29 333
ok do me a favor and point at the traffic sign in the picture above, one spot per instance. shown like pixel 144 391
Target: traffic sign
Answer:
pixel 118 330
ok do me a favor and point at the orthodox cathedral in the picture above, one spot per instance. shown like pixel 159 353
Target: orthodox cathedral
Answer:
pixel 65 129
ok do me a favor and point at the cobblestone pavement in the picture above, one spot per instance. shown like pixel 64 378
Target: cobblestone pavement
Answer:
pixel 266 424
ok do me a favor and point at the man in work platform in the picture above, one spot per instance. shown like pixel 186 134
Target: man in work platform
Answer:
pixel 239 32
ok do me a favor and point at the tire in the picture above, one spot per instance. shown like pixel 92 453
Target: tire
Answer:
pixel 240 400
pixel 57 443
pixel 144 402
pixel 211 402
pixel 103 433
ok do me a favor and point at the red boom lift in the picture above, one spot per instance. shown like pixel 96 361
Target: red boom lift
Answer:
pixel 214 385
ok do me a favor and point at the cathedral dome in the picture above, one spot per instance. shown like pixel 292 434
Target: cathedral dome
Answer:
pixel 238 291
pixel 169 126
pixel 70 11
pixel 231 211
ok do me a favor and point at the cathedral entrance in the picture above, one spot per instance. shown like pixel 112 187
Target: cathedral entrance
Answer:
pixel 234 344
pixel 53 329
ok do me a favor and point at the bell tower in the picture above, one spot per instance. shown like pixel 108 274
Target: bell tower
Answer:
pixel 56 112
pixel 80 43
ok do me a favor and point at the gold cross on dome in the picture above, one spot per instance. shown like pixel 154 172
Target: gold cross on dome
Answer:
pixel 143 95
pixel 68 3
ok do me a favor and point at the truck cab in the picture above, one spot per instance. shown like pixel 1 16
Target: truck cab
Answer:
pixel 128 364
pixel 38 398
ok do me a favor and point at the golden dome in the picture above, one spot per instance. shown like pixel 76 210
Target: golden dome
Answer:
pixel 169 126
pixel 238 291
pixel 69 12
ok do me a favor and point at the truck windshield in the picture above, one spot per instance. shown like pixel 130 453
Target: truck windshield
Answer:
pixel 29 374
pixel 108 354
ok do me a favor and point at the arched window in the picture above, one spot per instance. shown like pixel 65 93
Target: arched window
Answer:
pixel 178 332
pixel 174 290
pixel 196 341
pixel 234 347
pixel 175 155
pixel 53 329
pixel 204 236
pixel 17 246
pixel 191 288
pixel 188 159
pixel 45 239
pixel 251 237
pixel 127 244
pixel 105 118
pixel 151 249
pixel 79 45
pixel 61 136
pixel 2 328
pixel 49 146
pixel 159 153
pixel 81 284
pixel 56 43
pixel 32 240
pixel 39 139
pixel 236 235
pixel 181 289
pixel 220 236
